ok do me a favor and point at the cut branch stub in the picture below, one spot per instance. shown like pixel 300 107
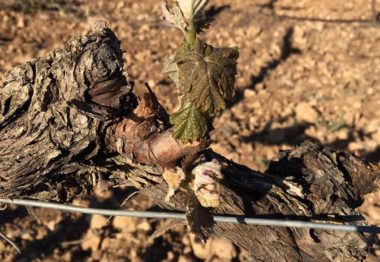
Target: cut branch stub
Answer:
pixel 138 137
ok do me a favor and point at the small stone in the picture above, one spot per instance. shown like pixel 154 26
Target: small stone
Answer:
pixel 51 225
pixel 370 145
pixel 126 224
pixel 170 256
pixel 20 23
pixel 67 256
pixel 248 93
pixel 144 226
pixel 343 134
pixel 376 137
pixel 91 241
pixel 151 83
pixel 354 146
pixel 372 126
pixel 223 248
pixel 98 221
pixel 201 251
pixel 306 113
pixel 349 118
pixel 25 236
pixel 357 105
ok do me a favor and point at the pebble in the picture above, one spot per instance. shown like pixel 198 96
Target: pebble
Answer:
pixel 354 146
pixel 98 221
pixel 125 224
pixel 144 226
pixel 223 248
pixel 376 137
pixel 306 113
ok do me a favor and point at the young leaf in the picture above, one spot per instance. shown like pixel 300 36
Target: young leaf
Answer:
pixel 207 74
pixel 190 8
pixel 189 123
pixel 174 15
pixel 206 183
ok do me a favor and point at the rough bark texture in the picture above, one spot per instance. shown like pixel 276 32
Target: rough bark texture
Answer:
pixel 309 181
pixel 67 121
pixel 47 120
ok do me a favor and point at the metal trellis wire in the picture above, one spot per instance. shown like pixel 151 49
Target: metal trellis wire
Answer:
pixel 182 216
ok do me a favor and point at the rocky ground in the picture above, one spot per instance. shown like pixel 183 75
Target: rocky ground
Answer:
pixel 307 70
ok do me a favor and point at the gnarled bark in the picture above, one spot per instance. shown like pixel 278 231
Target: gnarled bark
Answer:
pixel 47 119
pixel 71 116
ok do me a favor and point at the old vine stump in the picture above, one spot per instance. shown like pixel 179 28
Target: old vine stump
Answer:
pixel 55 117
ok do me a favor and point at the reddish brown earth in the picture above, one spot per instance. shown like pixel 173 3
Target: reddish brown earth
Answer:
pixel 311 71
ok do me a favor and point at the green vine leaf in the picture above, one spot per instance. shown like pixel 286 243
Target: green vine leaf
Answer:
pixel 189 123
pixel 207 75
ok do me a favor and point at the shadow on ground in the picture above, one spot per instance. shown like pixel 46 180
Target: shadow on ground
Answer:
pixel 287 50
pixel 295 135
pixel 67 230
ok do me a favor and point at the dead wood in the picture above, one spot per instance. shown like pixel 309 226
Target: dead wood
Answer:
pixel 70 120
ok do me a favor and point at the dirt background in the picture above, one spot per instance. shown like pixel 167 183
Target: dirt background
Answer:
pixel 307 70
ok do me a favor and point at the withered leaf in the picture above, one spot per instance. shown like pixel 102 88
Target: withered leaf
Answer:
pixel 190 8
pixel 207 74
pixel 173 177
pixel 184 13
pixel 189 123
pixel 172 14
pixel 206 183
pixel 171 69
pixel 199 219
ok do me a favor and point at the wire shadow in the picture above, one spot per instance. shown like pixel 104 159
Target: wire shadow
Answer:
pixel 67 230
pixel 270 6
pixel 329 21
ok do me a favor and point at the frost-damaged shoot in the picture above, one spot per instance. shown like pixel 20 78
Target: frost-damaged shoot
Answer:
pixel 205 77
